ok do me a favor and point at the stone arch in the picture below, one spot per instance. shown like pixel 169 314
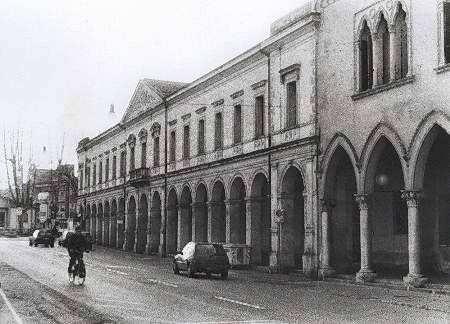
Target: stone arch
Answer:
pixel 340 186
pixel 185 222
pixel 155 223
pixel 432 178
pixel 260 221
pixel 419 148
pixel 213 182
pixel 381 131
pixel 237 175
pixel 293 230
pixel 382 13
pixel 237 211
pixel 121 223
pixel 142 221
pixel 99 226
pixel 397 5
pixel 384 174
pixel 254 175
pixel 113 227
pixel 285 169
pixel 172 221
pixel 200 213
pixel 106 221
pixel 217 205
pixel 130 227
pixel 339 141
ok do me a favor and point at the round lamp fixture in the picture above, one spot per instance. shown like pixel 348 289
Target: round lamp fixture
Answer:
pixel 382 180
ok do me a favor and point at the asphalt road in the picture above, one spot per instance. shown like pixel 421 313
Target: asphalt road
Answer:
pixel 125 287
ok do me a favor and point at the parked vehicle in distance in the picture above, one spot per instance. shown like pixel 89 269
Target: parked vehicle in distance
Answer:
pixel 41 236
pixel 202 257
pixel 63 238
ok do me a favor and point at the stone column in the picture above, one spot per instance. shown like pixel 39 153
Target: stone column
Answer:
pixel 392 53
pixel 136 227
pixel 375 59
pixel 249 235
pixel 125 228
pixel 110 234
pixel 163 230
pixel 274 226
pixel 195 223
pixel 179 227
pixel 228 204
pixel 365 274
pixel 148 245
pixel 415 277
pixel 325 268
pixel 210 220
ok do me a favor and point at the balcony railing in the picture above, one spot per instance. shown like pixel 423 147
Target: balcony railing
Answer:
pixel 139 177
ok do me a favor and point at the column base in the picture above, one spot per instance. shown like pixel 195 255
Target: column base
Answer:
pixel 326 273
pixel 364 276
pixel 415 280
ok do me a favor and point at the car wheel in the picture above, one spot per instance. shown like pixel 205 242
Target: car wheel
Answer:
pixel 35 244
pixel 46 245
pixel 190 271
pixel 30 243
pixel 52 245
pixel 208 274
pixel 224 275
pixel 175 268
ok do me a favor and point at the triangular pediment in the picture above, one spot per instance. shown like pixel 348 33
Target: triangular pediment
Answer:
pixel 144 98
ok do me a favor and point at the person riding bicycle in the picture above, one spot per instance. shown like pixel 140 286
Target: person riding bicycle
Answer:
pixel 77 244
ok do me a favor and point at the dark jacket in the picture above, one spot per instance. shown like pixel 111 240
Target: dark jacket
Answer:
pixel 76 242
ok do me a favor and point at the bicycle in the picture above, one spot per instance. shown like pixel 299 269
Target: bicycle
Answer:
pixel 78 274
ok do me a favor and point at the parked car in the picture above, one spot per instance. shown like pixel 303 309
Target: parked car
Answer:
pixel 42 236
pixel 202 257
pixel 62 240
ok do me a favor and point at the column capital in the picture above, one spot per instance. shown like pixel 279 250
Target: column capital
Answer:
pixel 362 201
pixel 412 198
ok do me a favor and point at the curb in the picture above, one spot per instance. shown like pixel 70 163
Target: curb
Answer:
pixel 430 289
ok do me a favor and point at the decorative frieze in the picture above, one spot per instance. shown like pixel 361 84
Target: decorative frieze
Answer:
pixel 237 94
pixel 155 130
pixel 292 69
pixel 186 117
pixel 173 122
pixel 259 84
pixel 200 110
pixel 218 103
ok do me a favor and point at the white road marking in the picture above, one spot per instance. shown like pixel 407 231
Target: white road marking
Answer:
pixel 163 283
pixel 123 302
pixel 238 302
pixel 11 308
pixel 117 271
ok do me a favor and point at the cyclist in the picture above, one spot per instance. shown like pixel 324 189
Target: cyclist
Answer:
pixel 77 244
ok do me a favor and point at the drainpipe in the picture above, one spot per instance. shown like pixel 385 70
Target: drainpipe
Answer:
pixel 164 242
pixel 269 126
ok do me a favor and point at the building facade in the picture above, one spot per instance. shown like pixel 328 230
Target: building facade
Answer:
pixel 324 148
pixel 215 159
pixel 385 162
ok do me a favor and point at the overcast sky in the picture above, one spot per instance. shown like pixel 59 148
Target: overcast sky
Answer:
pixel 64 62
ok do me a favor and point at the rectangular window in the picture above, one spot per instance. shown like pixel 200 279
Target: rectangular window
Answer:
pixel 291 91
pixel 81 179
pixel 237 124
pixel 201 137
pixel 173 144
pixel 88 176
pixel 156 152
pixel 100 172
pixel 132 159
pixel 2 219
pixel 94 174
pixel 144 155
pixel 123 163
pixel 107 170
pixel 447 31
pixel 259 116
pixel 186 142
pixel 114 167
pixel 218 134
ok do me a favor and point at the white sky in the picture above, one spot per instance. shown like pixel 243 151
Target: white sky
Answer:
pixel 62 63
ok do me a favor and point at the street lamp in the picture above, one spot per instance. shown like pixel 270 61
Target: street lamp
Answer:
pixel 280 218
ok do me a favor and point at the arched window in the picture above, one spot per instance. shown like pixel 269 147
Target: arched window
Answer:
pixel 172 146
pixel 365 59
pixel 401 53
pixel 383 52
